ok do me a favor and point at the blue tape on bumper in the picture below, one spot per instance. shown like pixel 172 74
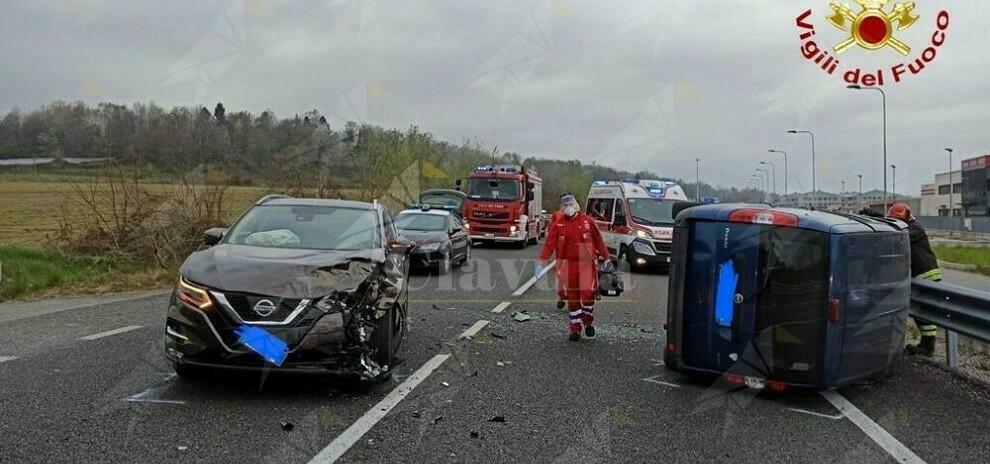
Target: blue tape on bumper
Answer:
pixel 265 344
pixel 725 293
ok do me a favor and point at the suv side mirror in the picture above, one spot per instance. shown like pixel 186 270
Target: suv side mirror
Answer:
pixel 213 236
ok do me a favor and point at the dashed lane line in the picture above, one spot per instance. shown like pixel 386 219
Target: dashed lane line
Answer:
pixel 474 329
pixel 346 440
pixel 501 306
pixel 111 332
pixel 895 448
pixel 534 279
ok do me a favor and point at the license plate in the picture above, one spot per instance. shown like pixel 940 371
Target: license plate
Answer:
pixel 259 340
pixel 489 234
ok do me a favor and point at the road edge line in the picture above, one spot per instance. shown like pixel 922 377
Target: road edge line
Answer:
pixel 349 437
pixel 525 287
pixel 878 434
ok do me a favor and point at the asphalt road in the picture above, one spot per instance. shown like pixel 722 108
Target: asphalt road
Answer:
pixel 90 385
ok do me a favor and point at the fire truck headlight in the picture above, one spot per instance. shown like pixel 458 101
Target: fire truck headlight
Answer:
pixel 512 229
pixel 643 234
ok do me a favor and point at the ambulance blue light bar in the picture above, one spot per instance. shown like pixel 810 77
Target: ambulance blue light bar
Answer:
pixel 599 183
pixel 485 168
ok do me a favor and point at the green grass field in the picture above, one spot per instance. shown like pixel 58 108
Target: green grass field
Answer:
pixel 27 272
pixel 975 256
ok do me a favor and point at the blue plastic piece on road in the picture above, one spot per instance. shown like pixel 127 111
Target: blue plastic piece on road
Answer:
pixel 264 343
pixel 728 278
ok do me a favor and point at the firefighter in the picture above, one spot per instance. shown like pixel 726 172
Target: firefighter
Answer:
pixel 574 239
pixel 924 265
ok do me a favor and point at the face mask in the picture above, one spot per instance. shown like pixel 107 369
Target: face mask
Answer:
pixel 570 210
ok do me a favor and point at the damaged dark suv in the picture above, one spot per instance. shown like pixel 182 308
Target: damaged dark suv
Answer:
pixel 296 285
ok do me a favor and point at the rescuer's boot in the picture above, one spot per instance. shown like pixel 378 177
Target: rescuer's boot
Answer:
pixel 925 348
pixel 560 304
pixel 589 331
pixel 575 332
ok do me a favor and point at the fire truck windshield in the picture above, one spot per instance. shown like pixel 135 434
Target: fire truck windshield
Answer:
pixel 493 189
pixel 650 212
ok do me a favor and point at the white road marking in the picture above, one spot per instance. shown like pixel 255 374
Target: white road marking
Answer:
pixel 817 414
pixel 7 358
pixel 151 394
pixel 533 280
pixel 111 332
pixel 346 440
pixel 655 380
pixel 474 329
pixel 895 448
pixel 501 307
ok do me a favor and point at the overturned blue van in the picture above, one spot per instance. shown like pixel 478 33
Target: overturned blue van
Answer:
pixel 781 299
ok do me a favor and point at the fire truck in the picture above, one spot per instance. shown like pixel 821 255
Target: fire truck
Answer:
pixel 636 218
pixel 503 204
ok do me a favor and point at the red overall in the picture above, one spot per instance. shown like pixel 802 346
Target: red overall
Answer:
pixel 578 245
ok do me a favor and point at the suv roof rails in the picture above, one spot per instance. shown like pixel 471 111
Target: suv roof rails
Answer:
pixel 267 198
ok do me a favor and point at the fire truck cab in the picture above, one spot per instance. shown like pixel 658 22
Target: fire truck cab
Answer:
pixel 503 204
pixel 636 218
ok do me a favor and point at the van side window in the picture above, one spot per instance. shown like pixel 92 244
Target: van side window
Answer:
pixel 620 214
pixel 600 209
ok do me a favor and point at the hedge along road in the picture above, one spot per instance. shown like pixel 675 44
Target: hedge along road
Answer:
pixel 112 398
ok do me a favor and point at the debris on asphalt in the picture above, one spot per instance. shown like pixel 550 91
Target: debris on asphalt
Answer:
pixel 500 419
pixel 473 374
pixel 437 419
pixel 415 414
pixel 496 335
pixel 646 330
pixel 500 364
pixel 287 426
pixel 520 317
pixel 183 448
pixel 474 434
pixel 445 384
pixel 442 309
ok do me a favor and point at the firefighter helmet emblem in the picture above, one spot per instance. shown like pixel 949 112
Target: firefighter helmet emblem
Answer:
pixel 873 27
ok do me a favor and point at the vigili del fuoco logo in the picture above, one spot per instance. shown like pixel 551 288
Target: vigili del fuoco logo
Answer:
pixel 873 28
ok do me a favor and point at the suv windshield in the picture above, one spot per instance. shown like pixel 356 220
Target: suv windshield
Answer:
pixel 652 212
pixel 421 221
pixel 308 227
pixel 493 189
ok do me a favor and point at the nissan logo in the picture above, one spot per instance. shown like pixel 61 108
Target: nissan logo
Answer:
pixel 264 307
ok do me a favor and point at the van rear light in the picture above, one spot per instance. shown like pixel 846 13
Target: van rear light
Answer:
pixel 763 216
pixel 735 379
pixel 671 347
pixel 776 386
pixel 834 309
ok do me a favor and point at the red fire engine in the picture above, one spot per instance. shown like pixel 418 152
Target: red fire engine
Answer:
pixel 503 204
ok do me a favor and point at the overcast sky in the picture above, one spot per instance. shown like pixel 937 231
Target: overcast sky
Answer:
pixel 630 84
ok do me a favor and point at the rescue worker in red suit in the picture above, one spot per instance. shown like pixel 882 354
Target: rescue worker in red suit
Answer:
pixel 574 239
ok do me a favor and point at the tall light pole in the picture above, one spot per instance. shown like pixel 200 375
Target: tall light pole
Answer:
pixel 884 101
pixel 773 199
pixel 697 183
pixel 842 197
pixel 767 179
pixel 860 191
pixel 814 182
pixel 951 184
pixel 893 188
pixel 785 168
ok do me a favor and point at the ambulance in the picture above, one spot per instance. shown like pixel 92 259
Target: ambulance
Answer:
pixel 636 218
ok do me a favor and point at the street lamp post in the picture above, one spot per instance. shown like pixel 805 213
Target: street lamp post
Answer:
pixel 767 179
pixel 773 199
pixel 893 188
pixel 785 168
pixel 814 184
pixel 860 191
pixel 884 101
pixel 842 200
pixel 951 184
pixel 697 183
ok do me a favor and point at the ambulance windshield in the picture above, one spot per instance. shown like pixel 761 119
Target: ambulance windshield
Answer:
pixel 493 189
pixel 650 212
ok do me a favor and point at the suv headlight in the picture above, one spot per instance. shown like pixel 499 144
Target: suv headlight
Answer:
pixel 432 246
pixel 643 248
pixel 193 295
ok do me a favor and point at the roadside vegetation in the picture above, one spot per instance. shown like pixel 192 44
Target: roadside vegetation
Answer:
pixel 26 272
pixel 972 256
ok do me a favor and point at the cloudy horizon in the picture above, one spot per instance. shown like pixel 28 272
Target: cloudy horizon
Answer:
pixel 628 84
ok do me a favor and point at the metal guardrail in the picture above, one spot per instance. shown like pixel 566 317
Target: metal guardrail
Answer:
pixel 958 310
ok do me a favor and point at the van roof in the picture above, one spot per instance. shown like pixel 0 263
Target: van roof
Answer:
pixel 823 221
